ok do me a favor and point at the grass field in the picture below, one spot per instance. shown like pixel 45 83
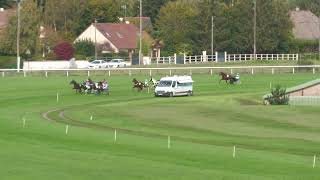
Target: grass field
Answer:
pixel 272 142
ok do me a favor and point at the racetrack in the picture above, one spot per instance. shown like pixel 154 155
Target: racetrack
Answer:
pixel 272 142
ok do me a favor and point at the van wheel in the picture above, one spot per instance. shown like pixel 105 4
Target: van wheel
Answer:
pixel 155 95
pixel 171 94
pixel 190 93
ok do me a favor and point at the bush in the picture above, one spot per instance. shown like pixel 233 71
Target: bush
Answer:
pixel 64 51
pixel 278 96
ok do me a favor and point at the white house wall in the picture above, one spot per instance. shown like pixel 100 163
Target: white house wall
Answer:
pixel 89 34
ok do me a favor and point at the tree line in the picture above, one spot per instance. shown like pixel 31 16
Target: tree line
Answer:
pixel 183 26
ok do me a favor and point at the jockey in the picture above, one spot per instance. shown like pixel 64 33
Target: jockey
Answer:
pixel 88 83
pixel 146 82
pixel 104 84
pixel 237 77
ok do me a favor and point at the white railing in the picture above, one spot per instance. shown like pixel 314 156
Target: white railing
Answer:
pixel 199 59
pixel 247 57
pixel 252 70
pixel 163 60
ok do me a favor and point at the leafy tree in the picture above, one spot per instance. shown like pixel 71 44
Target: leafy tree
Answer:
pixel 176 24
pixel 64 51
pixel 278 96
pixel 29 30
pixel 312 5
pixel 150 8
pixel 85 47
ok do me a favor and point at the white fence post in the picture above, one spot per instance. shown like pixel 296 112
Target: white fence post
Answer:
pixel 211 72
pixel 130 74
pixel 3 74
pixel 313 70
pixel 150 72
pixel 24 74
pixel 88 74
pixel 272 70
pixel 252 72
pixel 292 70
pixel 216 58
pixel 184 58
pixel 46 74
pixel 170 72
pixel 67 73
pixel 169 142
pixel 314 161
pixel 109 73
pixel 175 58
pixel 225 57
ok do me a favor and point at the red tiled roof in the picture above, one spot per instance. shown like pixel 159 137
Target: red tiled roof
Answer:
pixel 123 36
pixel 4 17
pixel 306 25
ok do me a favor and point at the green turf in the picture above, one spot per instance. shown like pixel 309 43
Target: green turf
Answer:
pixel 272 142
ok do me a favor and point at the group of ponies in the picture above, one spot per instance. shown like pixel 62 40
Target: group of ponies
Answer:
pixel 91 88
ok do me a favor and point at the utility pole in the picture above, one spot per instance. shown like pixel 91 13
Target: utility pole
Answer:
pixel 255 29
pixel 212 35
pixel 95 39
pixel 319 35
pixel 18 35
pixel 140 34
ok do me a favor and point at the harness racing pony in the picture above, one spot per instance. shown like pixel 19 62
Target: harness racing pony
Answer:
pixel 226 77
pixel 138 84
pixel 76 86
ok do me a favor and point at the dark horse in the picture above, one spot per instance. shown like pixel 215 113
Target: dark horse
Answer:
pixel 76 86
pixel 138 84
pixel 226 77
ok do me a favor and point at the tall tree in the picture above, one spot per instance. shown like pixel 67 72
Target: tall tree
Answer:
pixel 177 28
pixel 29 36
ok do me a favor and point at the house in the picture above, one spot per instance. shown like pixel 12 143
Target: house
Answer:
pixel 112 38
pixel 306 25
pixel 5 14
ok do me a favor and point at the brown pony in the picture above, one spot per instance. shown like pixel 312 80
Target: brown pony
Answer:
pixel 226 77
pixel 137 84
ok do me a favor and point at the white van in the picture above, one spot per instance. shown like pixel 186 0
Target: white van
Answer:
pixel 175 86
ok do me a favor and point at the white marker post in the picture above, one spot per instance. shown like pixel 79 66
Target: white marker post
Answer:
pixel 115 135
pixel 88 74
pixel 169 142
pixel 272 70
pixel 23 122
pixel 313 70
pixel 3 74
pixel 109 73
pixel 270 85
pixel 170 72
pixel 57 97
pixel 91 118
pixel 67 73
pixel 150 72
pixel 252 72
pixel 67 128
pixel 130 74
pixel 314 161
pixel 211 72
pixel 46 74
pixel 234 152
pixel 24 74
pixel 292 70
